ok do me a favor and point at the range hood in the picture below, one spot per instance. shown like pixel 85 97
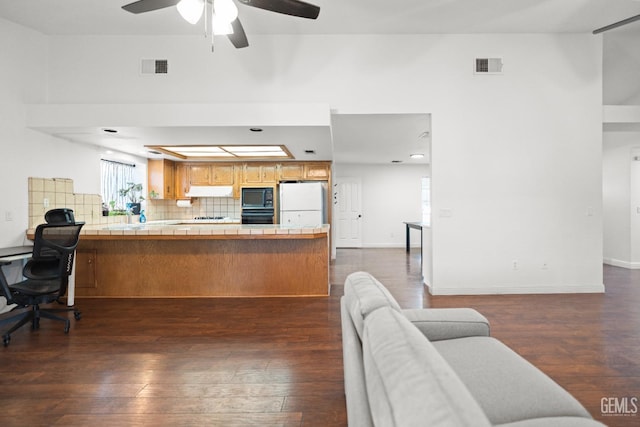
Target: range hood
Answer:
pixel 210 191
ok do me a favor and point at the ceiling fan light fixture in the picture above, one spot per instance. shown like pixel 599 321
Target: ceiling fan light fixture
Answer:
pixel 220 26
pixel 225 10
pixel 191 10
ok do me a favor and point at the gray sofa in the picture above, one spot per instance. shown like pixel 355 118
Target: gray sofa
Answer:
pixel 439 367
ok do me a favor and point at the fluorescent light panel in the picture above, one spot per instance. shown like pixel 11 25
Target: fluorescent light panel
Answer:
pixel 225 151
pixel 196 149
pixel 252 148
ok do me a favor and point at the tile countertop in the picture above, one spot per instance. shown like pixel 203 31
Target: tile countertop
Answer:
pixel 195 228
pixel 180 228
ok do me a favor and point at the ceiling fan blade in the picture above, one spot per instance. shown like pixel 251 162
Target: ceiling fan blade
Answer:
pixel 238 38
pixel 142 6
pixel 287 7
pixel 617 24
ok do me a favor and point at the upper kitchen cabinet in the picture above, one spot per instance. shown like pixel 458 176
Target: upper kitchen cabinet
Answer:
pixel 222 174
pixel 199 174
pixel 309 171
pixel 211 174
pixel 291 171
pixel 182 181
pixel 161 179
pixel 319 171
pixel 259 173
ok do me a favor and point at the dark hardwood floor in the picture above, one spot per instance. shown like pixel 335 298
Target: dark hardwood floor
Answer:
pixel 278 361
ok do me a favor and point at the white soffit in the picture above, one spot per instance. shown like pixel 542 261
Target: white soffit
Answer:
pixel 300 127
pixel 66 115
pixel 621 118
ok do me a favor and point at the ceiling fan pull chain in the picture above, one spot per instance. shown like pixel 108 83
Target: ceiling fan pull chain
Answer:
pixel 211 24
pixel 206 19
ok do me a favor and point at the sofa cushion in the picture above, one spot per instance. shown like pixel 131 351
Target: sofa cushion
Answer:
pixel 364 294
pixel 408 382
pixel 448 323
pixel 507 387
pixel 358 412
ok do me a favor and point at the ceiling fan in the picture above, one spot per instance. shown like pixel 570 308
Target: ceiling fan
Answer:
pixel 617 24
pixel 223 16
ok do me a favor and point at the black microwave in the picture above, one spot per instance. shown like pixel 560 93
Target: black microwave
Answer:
pixel 257 198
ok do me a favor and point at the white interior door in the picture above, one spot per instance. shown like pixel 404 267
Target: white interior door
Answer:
pixel 348 211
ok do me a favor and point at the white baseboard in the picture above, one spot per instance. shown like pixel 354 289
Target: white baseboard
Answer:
pixel 624 264
pixel 502 290
pixel 388 245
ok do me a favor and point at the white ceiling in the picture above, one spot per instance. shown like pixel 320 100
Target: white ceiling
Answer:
pixel 356 138
pixel 336 17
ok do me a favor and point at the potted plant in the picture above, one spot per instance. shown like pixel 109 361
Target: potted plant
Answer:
pixel 115 211
pixel 133 194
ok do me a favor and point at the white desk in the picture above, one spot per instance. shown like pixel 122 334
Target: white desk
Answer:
pixel 16 253
pixel 7 255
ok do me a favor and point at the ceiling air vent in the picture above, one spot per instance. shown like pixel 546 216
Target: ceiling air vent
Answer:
pixel 154 66
pixel 488 66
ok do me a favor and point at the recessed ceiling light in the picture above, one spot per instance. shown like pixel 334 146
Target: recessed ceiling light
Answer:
pixel 417 156
pixel 255 129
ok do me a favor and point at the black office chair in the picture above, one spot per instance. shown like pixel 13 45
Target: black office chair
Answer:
pixel 47 277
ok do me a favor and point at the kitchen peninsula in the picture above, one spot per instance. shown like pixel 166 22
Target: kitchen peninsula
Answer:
pixel 182 259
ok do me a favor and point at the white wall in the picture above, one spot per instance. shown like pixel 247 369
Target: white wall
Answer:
pixel 25 153
pixel 618 184
pixel 635 206
pixel 516 158
pixel 621 68
pixel 516 172
pixel 621 176
pixel 390 195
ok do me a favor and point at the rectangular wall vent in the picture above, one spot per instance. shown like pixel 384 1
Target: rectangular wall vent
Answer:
pixel 488 66
pixel 154 66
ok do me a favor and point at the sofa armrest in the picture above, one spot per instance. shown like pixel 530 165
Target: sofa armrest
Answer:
pixel 448 323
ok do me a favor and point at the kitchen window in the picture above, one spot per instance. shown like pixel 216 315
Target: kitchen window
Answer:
pixel 113 177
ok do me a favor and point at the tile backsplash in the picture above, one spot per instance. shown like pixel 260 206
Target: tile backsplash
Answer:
pixel 52 193
pixel 202 206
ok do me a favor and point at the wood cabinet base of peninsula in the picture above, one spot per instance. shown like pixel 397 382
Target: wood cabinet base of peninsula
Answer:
pixel 203 267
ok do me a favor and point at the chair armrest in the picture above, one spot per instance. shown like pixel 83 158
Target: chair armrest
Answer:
pixel 448 323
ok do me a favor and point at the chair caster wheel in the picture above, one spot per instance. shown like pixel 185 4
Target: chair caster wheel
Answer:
pixel 66 327
pixel 77 315
pixel 5 339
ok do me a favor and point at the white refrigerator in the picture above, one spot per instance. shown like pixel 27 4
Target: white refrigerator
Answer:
pixel 302 203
